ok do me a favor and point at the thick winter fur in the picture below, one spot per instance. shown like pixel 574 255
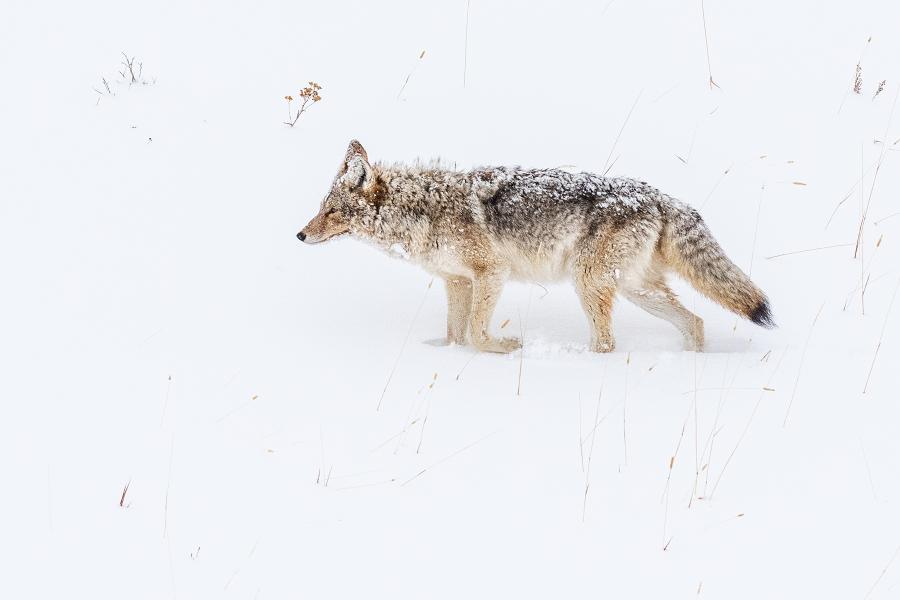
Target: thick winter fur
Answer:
pixel 477 229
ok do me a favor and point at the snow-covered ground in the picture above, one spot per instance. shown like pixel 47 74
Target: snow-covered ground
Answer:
pixel 162 328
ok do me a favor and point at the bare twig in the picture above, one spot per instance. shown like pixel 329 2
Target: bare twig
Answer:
pixel 162 420
pixel 607 166
pixel 712 83
pixel 800 366
pixel 410 74
pixel 466 45
pixel 747 426
pixel 856 80
pixel 882 219
pixel 625 412
pixel 807 250
pixel 883 571
pixel 168 485
pixel 587 468
pixel 522 325
pixel 862 221
pixel 756 231
pixel 446 458
pixel 471 358
pixel 881 336
pixel 715 187
pixel 124 492
pixel 403 345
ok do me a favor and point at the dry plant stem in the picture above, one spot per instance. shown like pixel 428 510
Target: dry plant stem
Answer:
pixel 403 346
pixel 124 493
pixel 860 239
pixel 625 412
pixel 881 575
pixel 862 449
pixel 665 496
pixel 890 216
pixel 238 569
pixel 446 458
pixel 466 45
pixel 807 250
pixel 427 412
pixel 522 325
pixel 162 420
pixel 715 187
pixel 857 74
pixel 587 470
pixel 410 74
pixel 756 230
pixel 800 366
pixel 847 195
pixel 171 568
pixel 697 454
pixel 747 426
pixel 168 486
pixel 887 316
pixel 49 499
pixel 862 221
pixel 581 437
pixel 607 166
pixel 706 39
pixel 471 358
pixel 869 281
pixel 710 442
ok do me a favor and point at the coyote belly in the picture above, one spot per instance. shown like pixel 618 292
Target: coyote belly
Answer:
pixel 477 229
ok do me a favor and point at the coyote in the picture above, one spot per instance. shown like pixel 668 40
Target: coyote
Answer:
pixel 476 229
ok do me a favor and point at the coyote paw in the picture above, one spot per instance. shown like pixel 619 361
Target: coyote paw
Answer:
pixel 604 345
pixel 499 345
pixel 693 344
pixel 694 338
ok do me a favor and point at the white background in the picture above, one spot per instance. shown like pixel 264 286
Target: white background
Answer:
pixel 162 326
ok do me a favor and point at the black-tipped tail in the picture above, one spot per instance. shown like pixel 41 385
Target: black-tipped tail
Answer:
pixel 762 315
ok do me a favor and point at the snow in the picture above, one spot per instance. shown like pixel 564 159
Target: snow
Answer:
pixel 162 328
pixel 398 250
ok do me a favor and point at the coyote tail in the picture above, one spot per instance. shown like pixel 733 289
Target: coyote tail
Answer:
pixel 687 246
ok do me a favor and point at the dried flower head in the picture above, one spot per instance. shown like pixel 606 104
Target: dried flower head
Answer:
pixel 857 80
pixel 311 92
pixel 308 96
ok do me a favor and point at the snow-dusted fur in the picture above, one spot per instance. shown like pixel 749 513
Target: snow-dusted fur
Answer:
pixel 476 229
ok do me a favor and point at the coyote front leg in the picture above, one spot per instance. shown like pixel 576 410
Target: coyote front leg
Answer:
pixel 486 288
pixel 459 308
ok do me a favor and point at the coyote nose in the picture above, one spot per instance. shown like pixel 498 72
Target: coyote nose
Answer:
pixel 301 236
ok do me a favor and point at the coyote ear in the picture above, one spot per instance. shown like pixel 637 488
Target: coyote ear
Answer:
pixel 357 171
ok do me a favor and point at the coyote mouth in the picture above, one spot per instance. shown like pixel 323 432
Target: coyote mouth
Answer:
pixel 314 241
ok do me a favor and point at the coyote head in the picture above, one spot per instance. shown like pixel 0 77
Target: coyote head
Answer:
pixel 351 203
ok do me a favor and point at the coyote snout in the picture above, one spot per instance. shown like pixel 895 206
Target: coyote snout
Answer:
pixel 477 229
pixel 327 224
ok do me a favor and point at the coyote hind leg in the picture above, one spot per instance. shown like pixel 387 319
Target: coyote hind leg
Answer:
pixel 658 299
pixel 607 262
